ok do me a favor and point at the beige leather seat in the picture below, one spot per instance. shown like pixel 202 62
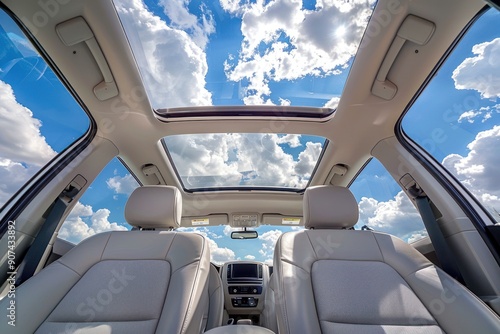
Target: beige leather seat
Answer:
pixel 330 280
pixel 216 299
pixel 269 312
pixel 123 282
pixel 213 294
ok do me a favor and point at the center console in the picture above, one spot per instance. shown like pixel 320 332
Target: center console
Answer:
pixel 244 284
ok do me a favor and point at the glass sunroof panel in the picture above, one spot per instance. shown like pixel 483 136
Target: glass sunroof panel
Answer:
pixel 244 52
pixel 244 160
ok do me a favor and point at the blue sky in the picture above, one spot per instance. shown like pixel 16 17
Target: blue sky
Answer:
pixel 246 54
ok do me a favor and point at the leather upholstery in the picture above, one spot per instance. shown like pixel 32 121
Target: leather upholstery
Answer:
pixel 345 281
pixel 126 282
pixel 269 312
pixel 154 207
pixel 240 329
pixel 216 299
pixel 123 282
pixel 329 207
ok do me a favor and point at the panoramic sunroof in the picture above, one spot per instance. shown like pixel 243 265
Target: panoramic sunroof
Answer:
pixel 230 52
pixel 244 160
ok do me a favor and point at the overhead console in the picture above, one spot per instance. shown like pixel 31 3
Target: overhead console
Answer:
pixel 244 285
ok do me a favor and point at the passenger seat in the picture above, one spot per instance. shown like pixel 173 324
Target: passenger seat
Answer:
pixel 333 280
pixel 123 282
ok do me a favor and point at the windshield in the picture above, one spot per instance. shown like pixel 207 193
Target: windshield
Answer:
pixel 224 249
pixel 280 52
pixel 244 160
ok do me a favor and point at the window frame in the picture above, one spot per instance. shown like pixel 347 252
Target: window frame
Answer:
pixel 361 170
pixel 34 185
pixel 467 202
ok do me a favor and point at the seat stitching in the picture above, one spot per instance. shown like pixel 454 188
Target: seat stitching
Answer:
pixel 105 245
pixel 72 271
pixel 283 299
pixel 310 274
pixel 195 284
pixel 378 246
pixel 312 246
pixel 170 246
pixel 169 280
pixel 95 322
pixel 407 283
pixel 364 324
pixel 80 277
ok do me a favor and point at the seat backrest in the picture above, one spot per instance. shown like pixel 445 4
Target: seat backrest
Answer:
pixel 332 280
pixel 216 299
pixel 269 312
pixel 134 282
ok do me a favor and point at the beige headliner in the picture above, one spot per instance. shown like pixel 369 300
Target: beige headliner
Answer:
pixel 360 122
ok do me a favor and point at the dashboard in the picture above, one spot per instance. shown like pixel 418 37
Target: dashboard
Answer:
pixel 244 284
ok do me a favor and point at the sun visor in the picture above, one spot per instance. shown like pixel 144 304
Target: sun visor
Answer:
pixel 276 219
pixel 200 221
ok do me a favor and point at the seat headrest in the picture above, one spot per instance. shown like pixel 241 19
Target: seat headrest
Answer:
pixel 154 207
pixel 329 207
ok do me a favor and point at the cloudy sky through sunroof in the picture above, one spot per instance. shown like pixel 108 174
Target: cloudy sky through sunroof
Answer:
pixel 241 52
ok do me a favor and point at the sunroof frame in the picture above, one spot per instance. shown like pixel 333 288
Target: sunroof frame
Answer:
pixel 245 188
pixel 249 111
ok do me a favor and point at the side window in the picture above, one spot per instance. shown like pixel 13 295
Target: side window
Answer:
pixel 101 208
pixel 383 206
pixel 457 117
pixel 38 116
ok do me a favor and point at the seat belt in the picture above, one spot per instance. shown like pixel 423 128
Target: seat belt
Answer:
pixel 39 245
pixel 443 253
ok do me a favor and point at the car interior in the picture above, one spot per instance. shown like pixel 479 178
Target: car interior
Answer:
pixel 220 240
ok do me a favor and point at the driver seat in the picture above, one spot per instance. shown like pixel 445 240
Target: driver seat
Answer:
pixel 124 281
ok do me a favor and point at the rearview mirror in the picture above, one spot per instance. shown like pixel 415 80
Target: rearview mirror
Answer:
pixel 244 235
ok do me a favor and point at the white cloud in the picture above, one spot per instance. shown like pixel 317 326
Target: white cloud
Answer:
pixel 397 216
pixel 333 102
pixel 249 257
pixel 468 116
pixel 23 149
pixel 234 6
pixel 478 170
pixel 283 41
pixel 13 175
pixel 307 159
pixel 269 240
pixel 417 236
pixel 228 229
pixel 218 255
pixel 122 184
pixel 290 139
pixel 21 140
pixel 83 222
pixel 249 159
pixel 481 71
pixel 172 64
pixel 485 112
pixel 181 18
pixel 284 102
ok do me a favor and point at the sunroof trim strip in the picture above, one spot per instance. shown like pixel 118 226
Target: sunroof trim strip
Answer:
pixel 246 111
